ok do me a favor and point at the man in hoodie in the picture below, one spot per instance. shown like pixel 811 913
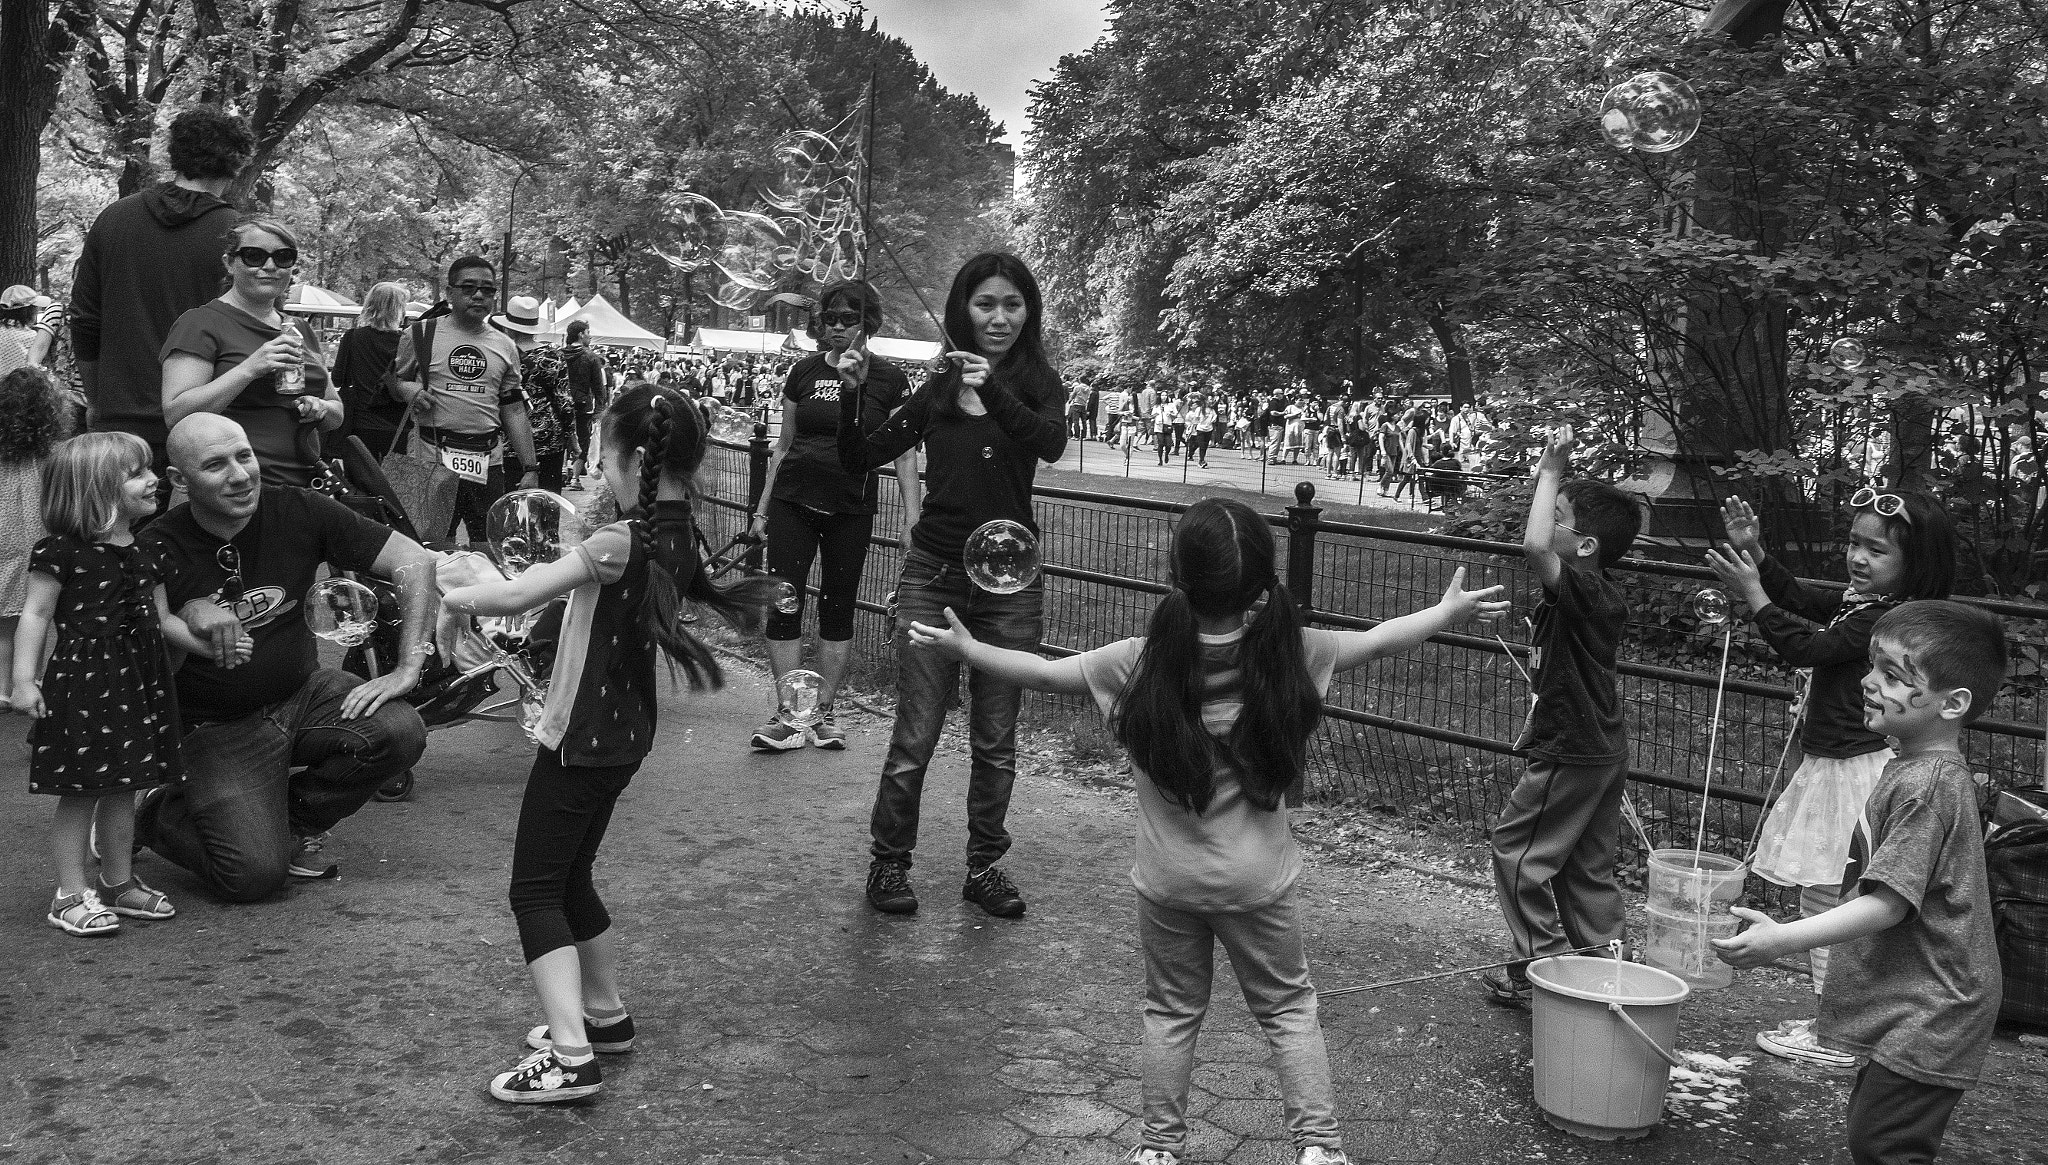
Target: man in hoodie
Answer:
pixel 147 260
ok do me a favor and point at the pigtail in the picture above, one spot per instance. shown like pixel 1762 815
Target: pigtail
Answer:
pixel 1281 707
pixel 1157 716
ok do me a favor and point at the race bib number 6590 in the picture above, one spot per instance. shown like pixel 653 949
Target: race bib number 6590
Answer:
pixel 474 467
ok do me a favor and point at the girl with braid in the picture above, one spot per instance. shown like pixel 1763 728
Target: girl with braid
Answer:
pixel 624 601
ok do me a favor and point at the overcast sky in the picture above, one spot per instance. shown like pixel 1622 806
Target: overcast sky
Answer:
pixel 993 49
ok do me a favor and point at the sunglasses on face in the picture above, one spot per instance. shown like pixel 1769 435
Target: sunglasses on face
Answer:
pixel 840 319
pixel 474 289
pixel 256 256
pixel 229 559
pixel 1883 505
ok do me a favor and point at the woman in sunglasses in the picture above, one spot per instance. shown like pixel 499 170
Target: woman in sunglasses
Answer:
pixel 1900 547
pixel 810 507
pixel 240 357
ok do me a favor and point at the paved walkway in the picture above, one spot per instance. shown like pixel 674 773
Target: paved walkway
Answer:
pixel 782 1021
pixel 1228 468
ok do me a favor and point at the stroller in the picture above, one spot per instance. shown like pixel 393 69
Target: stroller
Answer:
pixel 488 669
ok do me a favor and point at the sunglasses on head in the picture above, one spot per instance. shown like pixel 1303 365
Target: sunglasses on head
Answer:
pixel 840 319
pixel 257 256
pixel 229 559
pixel 1883 505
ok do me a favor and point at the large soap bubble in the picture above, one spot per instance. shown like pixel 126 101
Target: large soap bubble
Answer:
pixel 525 528
pixel 533 708
pixel 788 600
pixel 1002 557
pixel 1848 354
pixel 1710 607
pixel 800 693
pixel 1652 112
pixel 341 610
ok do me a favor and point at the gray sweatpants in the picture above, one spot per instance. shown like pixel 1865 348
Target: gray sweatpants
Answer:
pixel 1553 857
pixel 1266 952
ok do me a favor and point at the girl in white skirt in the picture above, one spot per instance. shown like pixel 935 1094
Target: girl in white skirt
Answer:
pixel 1901 547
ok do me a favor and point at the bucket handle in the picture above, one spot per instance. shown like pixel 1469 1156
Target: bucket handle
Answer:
pixel 1669 1058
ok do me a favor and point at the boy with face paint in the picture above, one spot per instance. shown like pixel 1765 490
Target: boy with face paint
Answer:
pixel 1916 986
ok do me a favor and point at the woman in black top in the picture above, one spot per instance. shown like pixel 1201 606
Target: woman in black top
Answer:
pixel 361 365
pixel 986 419
pixel 812 508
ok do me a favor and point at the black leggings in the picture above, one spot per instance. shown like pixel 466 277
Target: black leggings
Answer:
pixel 797 534
pixel 561 823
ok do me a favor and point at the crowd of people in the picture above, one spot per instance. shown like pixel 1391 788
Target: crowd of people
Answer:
pixel 151 569
pixel 1347 434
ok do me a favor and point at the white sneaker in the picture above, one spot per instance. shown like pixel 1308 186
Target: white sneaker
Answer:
pixel 1321 1155
pixel 1143 1156
pixel 1794 1040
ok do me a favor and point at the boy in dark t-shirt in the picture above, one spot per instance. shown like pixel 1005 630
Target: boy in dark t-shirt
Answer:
pixel 1554 843
pixel 1914 982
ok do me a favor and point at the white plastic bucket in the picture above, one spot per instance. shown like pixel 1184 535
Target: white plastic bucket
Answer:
pixel 1690 893
pixel 1595 1075
pixel 1683 944
pixel 1684 881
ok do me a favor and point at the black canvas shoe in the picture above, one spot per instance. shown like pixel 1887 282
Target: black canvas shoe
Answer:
pixel 613 1039
pixel 1506 989
pixel 889 888
pixel 542 1079
pixel 990 889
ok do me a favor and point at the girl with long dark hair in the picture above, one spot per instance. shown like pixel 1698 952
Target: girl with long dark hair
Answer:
pixel 986 419
pixel 625 583
pixel 811 508
pixel 1216 704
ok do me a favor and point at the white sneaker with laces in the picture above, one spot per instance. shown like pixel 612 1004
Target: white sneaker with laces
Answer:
pixel 1794 1040
pixel 1144 1156
pixel 1322 1155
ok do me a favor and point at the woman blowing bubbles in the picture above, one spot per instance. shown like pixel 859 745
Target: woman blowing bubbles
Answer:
pixel 986 419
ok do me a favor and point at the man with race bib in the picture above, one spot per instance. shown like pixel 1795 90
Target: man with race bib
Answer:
pixel 466 395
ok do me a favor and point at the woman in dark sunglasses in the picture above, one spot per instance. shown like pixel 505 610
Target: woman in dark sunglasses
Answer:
pixel 812 508
pixel 240 356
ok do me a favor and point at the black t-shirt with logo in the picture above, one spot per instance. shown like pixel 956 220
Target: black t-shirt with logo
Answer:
pixel 810 474
pixel 292 532
pixel 1578 719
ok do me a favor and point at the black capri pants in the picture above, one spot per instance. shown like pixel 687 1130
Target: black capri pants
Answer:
pixel 562 820
pixel 796 535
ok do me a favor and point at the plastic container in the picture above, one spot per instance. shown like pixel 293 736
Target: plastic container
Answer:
pixel 1683 945
pixel 1594 1075
pixel 1684 881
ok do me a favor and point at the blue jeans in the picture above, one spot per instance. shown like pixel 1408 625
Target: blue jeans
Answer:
pixel 925 683
pixel 1266 952
pixel 236 819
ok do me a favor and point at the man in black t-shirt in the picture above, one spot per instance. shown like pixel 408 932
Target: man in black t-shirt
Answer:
pixel 237 561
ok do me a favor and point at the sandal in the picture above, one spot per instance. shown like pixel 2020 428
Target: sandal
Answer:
pixel 135 900
pixel 81 914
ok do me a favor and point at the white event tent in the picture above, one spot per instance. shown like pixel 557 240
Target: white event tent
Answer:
pixel 728 340
pixel 608 328
pixel 887 347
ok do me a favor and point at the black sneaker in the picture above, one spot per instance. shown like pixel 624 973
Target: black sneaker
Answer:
pixel 542 1079
pixel 889 888
pixel 306 862
pixel 1506 989
pixel 991 890
pixel 613 1039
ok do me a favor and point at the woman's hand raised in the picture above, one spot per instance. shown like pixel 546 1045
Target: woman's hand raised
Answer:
pixel 974 368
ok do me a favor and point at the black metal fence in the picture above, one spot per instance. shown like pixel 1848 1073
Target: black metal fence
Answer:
pixel 1430 733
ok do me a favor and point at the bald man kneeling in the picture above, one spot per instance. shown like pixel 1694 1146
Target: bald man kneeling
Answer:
pixel 237 559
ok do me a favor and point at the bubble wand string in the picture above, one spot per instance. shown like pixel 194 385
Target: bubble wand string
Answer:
pixel 1448 974
pixel 1713 738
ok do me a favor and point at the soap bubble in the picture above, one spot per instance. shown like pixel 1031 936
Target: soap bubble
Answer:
pixel 341 610
pixel 533 706
pixel 1710 607
pixel 525 528
pixel 1652 112
pixel 1002 557
pixel 1848 354
pixel 799 692
pixel 788 600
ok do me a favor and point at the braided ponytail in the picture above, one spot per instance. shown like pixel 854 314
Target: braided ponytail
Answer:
pixel 670 437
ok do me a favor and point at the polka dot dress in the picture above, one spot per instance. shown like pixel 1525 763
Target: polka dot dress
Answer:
pixel 113 722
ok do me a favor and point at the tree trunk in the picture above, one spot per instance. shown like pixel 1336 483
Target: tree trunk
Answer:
pixel 1457 359
pixel 35 47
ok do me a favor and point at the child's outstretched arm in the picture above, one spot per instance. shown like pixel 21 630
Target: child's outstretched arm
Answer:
pixel 1766 941
pixel 531 591
pixel 1019 667
pixel 1396 636
pixel 1541 527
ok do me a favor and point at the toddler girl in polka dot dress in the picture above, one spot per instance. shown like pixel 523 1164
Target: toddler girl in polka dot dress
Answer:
pixel 105 708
